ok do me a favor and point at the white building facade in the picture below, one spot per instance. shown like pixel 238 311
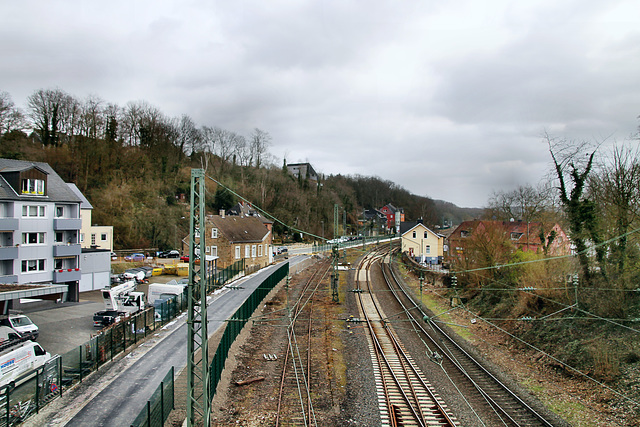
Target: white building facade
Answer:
pixel 39 227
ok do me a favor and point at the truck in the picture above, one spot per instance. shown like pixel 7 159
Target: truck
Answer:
pixel 18 364
pixel 120 301
pixel 22 324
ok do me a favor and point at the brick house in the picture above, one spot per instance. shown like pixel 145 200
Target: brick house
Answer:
pixel 235 237
pixel 521 235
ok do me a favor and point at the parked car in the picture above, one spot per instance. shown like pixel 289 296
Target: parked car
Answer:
pixel 114 257
pixel 184 258
pixel 169 254
pixel 134 257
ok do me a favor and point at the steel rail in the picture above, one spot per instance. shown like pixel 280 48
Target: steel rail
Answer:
pixel 407 369
pixel 296 310
pixel 490 397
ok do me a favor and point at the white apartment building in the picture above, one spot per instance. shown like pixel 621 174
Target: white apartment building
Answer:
pixel 39 227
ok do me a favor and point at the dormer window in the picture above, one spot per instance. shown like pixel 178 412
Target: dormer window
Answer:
pixel 33 186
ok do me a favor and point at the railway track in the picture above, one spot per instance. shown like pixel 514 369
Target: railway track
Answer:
pixel 297 375
pixel 483 388
pixel 405 397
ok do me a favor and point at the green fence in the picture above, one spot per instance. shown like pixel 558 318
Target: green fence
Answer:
pixel 236 322
pixel 158 408
pixel 225 275
pixel 35 390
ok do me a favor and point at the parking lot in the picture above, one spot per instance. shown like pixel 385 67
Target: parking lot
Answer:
pixel 65 326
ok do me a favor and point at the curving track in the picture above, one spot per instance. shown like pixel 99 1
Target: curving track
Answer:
pixel 481 388
pixel 405 397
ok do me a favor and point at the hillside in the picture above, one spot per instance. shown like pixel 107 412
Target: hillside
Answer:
pixel 143 190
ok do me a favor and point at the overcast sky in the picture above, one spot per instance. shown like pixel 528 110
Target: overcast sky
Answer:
pixel 447 99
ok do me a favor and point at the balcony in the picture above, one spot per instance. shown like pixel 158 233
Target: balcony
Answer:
pixel 8 224
pixel 9 279
pixel 67 224
pixel 8 252
pixel 66 250
pixel 66 275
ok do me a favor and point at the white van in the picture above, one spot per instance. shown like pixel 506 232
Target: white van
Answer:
pixel 22 324
pixel 18 363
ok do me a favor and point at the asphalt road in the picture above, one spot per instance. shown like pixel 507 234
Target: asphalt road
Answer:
pixel 122 400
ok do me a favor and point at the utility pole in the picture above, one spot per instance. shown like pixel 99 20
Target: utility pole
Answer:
pixel 198 399
pixel 335 253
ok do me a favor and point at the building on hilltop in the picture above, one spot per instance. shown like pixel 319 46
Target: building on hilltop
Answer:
pixel 303 171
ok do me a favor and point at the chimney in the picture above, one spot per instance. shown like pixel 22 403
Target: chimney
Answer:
pixel 420 221
pixel 222 213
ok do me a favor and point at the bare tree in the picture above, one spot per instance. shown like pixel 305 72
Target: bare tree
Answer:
pixel 526 202
pixel 189 137
pixel 617 189
pixel 50 110
pixel 259 144
pixel 11 118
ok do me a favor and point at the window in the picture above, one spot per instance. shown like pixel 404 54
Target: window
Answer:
pixel 414 234
pixel 208 249
pixel 253 251
pixel 247 248
pixel 214 251
pixel 59 237
pixel 426 236
pixel 237 252
pixel 465 233
pixel 93 238
pixel 33 238
pixel 58 264
pixel 30 265
pixel 103 237
pixel 214 233
pixel 33 186
pixel 81 237
pixel 428 250
pixel 59 211
pixel 259 250
pixel 515 235
pixel 33 211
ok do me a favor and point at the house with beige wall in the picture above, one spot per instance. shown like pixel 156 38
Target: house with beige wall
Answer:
pixel 420 243
pixel 92 236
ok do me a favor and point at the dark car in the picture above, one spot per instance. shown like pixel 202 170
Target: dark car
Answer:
pixel 169 254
